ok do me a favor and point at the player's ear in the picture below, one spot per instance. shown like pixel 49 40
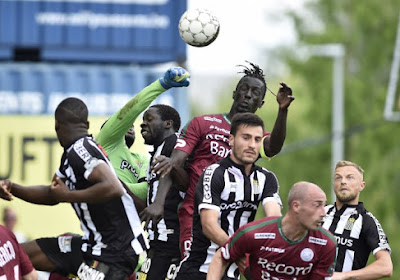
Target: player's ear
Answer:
pixel 168 123
pixel 261 103
pixel 233 94
pixel 231 140
pixel 296 206
pixel 87 124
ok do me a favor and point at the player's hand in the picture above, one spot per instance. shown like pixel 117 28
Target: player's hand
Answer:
pixel 59 190
pixel 175 77
pixel 284 96
pixel 5 190
pixel 161 165
pixel 154 212
pixel 241 263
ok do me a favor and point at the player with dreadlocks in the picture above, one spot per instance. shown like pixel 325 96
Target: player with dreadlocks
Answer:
pixel 205 140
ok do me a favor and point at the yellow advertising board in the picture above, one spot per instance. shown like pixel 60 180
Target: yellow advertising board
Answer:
pixel 29 155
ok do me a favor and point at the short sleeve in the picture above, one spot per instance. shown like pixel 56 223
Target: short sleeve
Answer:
pixel 375 235
pixel 189 137
pixel 209 188
pixel 326 263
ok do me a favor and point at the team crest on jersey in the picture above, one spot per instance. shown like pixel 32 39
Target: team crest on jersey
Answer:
pixel 349 224
pixel 306 254
pixel 256 187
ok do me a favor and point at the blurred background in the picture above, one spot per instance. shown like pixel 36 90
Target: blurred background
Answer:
pixel 341 59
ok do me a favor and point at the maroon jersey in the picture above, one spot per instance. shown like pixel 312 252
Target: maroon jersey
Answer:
pixel 14 262
pixel 206 139
pixel 273 256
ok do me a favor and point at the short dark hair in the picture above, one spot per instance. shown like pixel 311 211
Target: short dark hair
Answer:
pixel 252 71
pixel 72 110
pixel 169 113
pixel 248 119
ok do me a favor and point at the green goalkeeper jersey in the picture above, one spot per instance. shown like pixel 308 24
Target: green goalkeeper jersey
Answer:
pixel 129 166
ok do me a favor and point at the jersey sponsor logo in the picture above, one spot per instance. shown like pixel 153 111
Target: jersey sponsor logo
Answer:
pixel 86 272
pixel 180 143
pixel 91 164
pixel 81 151
pixel 283 268
pixel 383 243
pixel 318 241
pixel 7 253
pixel 212 119
pixel 220 129
pixel 238 205
pixel 307 254
pixel 272 249
pixel 220 150
pixel 264 235
pixel 344 241
pixel 207 197
pixel 126 165
pixel 217 137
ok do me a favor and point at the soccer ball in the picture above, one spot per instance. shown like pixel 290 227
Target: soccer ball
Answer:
pixel 198 27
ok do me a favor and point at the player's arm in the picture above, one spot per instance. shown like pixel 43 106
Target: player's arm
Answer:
pixel 174 167
pixel 211 228
pixel 272 203
pixel 119 123
pixel 380 268
pixel 155 211
pixel 40 194
pixel 106 186
pixel 271 209
pixel 273 143
pixel 217 266
pixel 30 276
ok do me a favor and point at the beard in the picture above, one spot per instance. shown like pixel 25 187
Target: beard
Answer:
pixel 346 198
pixel 129 140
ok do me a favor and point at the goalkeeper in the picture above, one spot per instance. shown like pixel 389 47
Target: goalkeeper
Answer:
pixel 117 135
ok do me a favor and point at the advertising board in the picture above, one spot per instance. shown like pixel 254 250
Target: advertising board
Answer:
pixel 112 31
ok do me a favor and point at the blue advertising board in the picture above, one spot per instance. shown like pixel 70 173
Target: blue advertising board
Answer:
pixel 37 88
pixel 116 31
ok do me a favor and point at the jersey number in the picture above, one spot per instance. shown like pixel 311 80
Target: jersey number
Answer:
pixel 16 274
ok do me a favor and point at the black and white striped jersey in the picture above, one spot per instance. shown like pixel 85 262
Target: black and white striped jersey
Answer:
pixel 226 188
pixel 358 233
pixel 112 230
pixel 168 227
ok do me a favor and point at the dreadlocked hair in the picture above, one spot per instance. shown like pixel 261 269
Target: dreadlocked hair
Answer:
pixel 253 71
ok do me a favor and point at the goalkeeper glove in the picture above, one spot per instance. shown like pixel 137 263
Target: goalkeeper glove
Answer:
pixel 175 77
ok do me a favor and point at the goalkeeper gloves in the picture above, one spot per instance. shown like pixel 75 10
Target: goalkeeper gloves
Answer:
pixel 175 77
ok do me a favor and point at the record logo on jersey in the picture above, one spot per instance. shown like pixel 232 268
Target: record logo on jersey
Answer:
pixel 306 254
pixel 349 224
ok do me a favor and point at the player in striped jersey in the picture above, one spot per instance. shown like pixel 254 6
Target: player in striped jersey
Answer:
pixel 112 233
pixel 292 247
pixel 159 128
pixel 227 197
pixel 357 231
